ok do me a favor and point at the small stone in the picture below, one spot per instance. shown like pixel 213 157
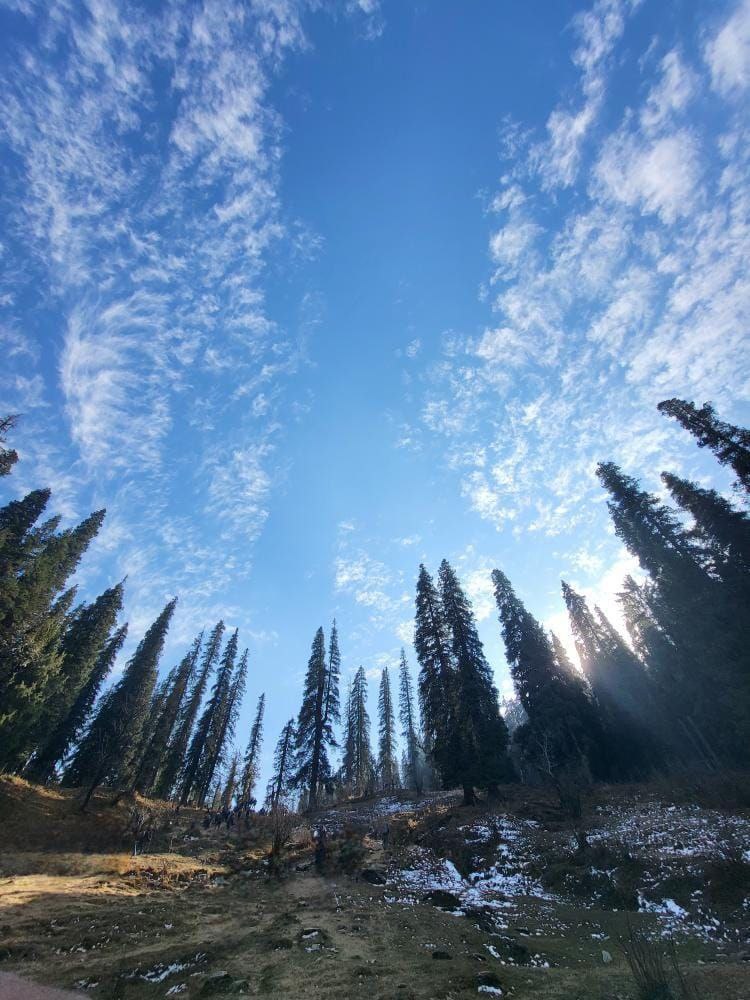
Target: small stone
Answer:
pixel 444 900
pixel 606 957
pixel 373 876
pixel 442 955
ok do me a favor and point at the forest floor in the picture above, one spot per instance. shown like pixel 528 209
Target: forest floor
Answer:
pixel 417 900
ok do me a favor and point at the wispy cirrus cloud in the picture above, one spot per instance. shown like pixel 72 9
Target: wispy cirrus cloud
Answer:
pixel 141 206
pixel 632 291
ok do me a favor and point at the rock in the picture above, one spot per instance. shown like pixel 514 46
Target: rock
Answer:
pixel 484 918
pixel 373 876
pixel 441 955
pixel 223 983
pixel 488 979
pixel 606 957
pixel 511 949
pixel 445 900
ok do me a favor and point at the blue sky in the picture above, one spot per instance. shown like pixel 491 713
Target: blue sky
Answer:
pixel 307 293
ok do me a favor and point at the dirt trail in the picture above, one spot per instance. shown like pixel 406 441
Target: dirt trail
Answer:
pixel 14 988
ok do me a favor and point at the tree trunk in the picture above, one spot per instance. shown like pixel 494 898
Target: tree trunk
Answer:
pixel 469 796
pixel 92 788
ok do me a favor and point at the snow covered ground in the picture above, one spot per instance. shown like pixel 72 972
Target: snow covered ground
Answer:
pixel 667 845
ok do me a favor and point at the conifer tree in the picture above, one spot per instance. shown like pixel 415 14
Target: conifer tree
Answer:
pixel 176 757
pixel 112 741
pixel 69 728
pixel 331 705
pixel 33 624
pixel 81 645
pixel 201 761
pixel 251 768
pixel 387 760
pixel 8 456
pixel 20 542
pixel 562 737
pixel 169 707
pixel 225 723
pixel 283 767
pixel 349 748
pixel 437 680
pixel 358 766
pixel 230 785
pixel 722 532
pixel 691 609
pixel 414 763
pixel 729 443
pixel 314 733
pixel 481 736
pixel 620 686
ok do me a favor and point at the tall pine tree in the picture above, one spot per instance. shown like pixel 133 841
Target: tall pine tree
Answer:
pixel 358 768
pixel 81 645
pixel 314 732
pixel 223 731
pixel 691 609
pixel 387 759
pixel 69 729
pixel 437 680
pixel 34 622
pixel 414 769
pixel 155 750
pixel 201 761
pixel 280 784
pixel 251 768
pixel 730 444
pixel 620 686
pixel 481 736
pixel 562 738
pixel 175 759
pixel 113 739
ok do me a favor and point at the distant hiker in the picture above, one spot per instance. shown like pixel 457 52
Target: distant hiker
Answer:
pixel 207 819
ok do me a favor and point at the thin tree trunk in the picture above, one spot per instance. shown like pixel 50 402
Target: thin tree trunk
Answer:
pixel 92 788
pixel 469 796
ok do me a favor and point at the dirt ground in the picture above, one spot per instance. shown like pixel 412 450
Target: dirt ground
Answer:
pixel 207 918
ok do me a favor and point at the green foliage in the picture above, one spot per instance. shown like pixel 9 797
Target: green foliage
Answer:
pixel 413 770
pixel 206 746
pixel 729 443
pixel 283 767
pixel 314 732
pixel 34 615
pixel 8 456
pixel 251 767
pixel 176 762
pixel 387 764
pixel 112 743
pixel 81 646
pixel 358 767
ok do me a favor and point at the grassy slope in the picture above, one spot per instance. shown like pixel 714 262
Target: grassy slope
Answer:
pixel 205 918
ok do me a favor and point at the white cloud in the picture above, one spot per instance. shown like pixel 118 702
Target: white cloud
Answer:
pixel 511 244
pixel 405 632
pixel 599 29
pixel 728 53
pixel 671 94
pixel 660 176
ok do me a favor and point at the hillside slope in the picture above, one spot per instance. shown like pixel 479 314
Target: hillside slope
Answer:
pixel 415 900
